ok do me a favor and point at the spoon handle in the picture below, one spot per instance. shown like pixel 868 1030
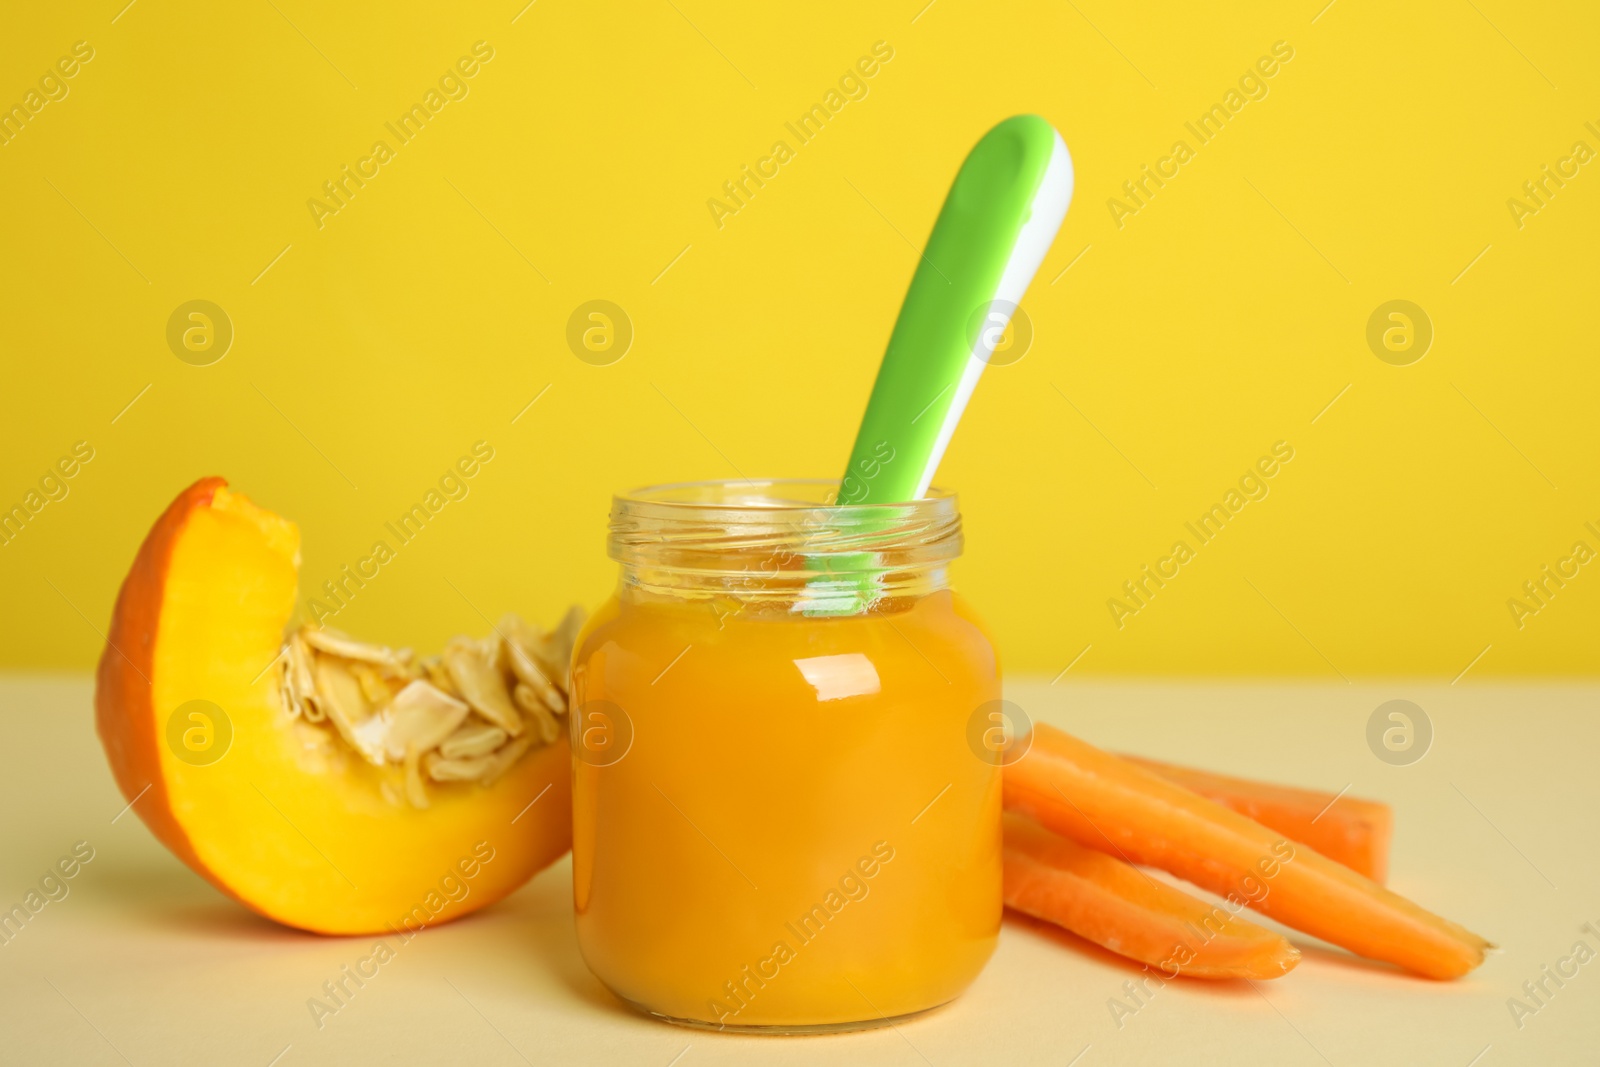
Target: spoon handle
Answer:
pixel 997 223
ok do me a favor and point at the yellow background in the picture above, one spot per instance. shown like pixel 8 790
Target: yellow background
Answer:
pixel 1221 318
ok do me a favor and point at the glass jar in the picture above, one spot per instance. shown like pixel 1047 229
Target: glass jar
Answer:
pixel 779 822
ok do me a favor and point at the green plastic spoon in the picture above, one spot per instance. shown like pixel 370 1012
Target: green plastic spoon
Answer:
pixel 996 226
pixel 997 223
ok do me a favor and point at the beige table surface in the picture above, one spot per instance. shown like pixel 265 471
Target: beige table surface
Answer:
pixel 1498 827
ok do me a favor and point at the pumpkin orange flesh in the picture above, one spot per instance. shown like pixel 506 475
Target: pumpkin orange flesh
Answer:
pixel 299 832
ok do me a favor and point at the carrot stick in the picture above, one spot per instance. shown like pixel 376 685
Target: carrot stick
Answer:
pixel 1107 803
pixel 1347 829
pixel 1119 907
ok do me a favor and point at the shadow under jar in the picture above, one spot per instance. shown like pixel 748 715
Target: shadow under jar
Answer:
pixel 779 823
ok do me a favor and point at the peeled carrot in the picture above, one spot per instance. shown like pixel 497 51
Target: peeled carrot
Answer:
pixel 1347 829
pixel 1107 803
pixel 1119 907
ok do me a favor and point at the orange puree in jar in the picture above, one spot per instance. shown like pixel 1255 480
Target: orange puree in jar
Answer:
pixel 779 821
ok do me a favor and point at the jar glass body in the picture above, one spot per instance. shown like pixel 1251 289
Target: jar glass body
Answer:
pixel 780 823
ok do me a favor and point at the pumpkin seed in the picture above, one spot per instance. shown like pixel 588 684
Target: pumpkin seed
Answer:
pixel 467 715
pixel 472 739
pixel 472 667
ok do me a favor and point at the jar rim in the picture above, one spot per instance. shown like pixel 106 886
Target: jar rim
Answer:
pixel 779 538
pixel 670 496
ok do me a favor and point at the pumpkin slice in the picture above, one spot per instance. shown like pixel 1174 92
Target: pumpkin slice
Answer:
pixel 292 770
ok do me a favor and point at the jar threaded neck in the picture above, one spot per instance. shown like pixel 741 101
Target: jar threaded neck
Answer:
pixel 781 543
